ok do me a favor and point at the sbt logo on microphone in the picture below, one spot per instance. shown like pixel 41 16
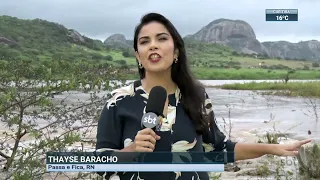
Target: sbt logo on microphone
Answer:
pixel 150 120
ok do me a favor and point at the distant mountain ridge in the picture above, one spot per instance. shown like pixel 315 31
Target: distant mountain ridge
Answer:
pixel 240 36
pixel 309 50
pixel 43 39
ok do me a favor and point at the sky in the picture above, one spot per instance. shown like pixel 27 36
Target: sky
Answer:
pixel 99 19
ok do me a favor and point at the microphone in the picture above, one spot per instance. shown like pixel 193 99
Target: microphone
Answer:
pixel 154 108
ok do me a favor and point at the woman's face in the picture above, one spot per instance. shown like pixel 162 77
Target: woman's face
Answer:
pixel 155 48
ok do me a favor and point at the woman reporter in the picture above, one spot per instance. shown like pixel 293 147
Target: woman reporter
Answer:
pixel 189 123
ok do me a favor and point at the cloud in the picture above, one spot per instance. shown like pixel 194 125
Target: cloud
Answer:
pixel 99 19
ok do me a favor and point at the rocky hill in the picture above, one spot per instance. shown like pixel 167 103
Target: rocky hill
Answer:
pixel 118 41
pixel 43 40
pixel 309 50
pixel 39 33
pixel 240 36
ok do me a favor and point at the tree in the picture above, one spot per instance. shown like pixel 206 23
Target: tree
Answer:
pixel 121 62
pixel 125 54
pixel 287 76
pixel 315 64
pixel 40 116
pixel 305 67
pixel 128 53
pixel 108 58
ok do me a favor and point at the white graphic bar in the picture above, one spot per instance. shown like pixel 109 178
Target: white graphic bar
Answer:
pixel 135 167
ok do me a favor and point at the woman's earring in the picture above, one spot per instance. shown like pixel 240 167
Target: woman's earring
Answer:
pixel 140 66
pixel 175 60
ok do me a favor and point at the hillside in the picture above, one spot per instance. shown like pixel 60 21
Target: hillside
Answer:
pixel 35 37
pixel 43 41
pixel 216 55
pixel 240 36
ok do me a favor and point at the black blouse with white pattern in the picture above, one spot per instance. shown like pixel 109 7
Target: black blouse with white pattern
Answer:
pixel 120 120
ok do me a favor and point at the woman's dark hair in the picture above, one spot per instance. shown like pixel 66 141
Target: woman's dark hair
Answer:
pixel 192 92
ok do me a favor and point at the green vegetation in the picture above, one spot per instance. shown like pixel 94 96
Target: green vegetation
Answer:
pixel 36 38
pixel 219 56
pixel 309 160
pixel 253 74
pixel 27 90
pixel 304 89
pixel 41 42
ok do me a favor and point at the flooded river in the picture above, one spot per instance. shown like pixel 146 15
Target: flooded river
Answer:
pixel 250 111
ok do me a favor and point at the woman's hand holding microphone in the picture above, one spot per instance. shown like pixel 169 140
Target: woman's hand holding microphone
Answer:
pixel 144 141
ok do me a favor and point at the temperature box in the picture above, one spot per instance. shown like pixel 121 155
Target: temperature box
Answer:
pixel 281 14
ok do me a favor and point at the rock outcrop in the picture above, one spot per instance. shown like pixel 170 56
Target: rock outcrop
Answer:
pixel 224 29
pixel 117 41
pixel 75 36
pixel 240 36
pixel 7 41
pixel 308 50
